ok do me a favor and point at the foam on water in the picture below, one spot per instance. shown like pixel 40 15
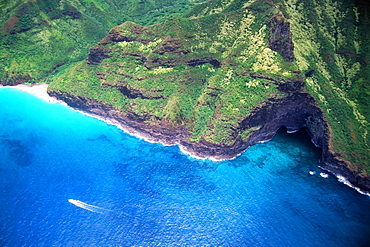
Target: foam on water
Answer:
pixel 149 194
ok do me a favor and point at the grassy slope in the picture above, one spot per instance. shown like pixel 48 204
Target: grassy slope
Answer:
pixel 36 37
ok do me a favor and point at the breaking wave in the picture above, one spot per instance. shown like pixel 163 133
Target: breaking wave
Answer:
pixel 346 182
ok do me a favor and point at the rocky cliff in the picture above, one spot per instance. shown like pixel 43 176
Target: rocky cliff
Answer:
pixel 230 75
pixel 224 77
pixel 294 112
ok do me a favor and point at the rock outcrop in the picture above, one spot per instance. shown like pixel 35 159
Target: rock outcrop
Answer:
pixel 281 38
pixel 97 54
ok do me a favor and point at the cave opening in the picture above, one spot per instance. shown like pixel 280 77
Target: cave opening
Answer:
pixel 300 138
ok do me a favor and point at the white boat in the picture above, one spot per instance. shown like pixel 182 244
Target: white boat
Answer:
pixel 89 207
pixel 312 173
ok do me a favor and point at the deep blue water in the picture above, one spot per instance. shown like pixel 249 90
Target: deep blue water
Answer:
pixel 134 193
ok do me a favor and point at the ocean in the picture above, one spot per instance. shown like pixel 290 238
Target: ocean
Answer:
pixel 67 179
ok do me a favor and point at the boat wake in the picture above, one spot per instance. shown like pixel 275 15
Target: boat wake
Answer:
pixel 89 207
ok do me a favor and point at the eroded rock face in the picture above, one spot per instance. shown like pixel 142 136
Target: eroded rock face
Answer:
pixel 132 122
pixel 280 39
pixel 97 54
pixel 295 111
pixel 337 167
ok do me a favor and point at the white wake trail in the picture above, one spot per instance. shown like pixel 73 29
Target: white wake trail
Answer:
pixel 89 207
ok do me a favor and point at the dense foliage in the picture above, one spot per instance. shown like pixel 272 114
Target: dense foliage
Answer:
pixel 37 37
pixel 206 73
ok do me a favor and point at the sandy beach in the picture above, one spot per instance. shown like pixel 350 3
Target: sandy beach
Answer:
pixel 38 90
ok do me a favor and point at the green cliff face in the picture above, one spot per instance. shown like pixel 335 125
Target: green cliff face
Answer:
pixel 37 37
pixel 332 51
pixel 208 71
pixel 205 72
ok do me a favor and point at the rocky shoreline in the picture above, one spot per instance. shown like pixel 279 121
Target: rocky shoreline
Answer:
pixel 294 112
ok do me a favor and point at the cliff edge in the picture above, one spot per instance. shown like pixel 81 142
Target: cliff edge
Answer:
pixel 229 75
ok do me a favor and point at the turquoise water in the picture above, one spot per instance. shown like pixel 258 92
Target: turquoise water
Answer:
pixel 70 180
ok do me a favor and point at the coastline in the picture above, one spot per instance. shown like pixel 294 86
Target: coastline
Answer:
pixel 40 91
pixel 345 181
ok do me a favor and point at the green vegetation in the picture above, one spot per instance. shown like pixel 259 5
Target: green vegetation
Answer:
pixel 185 71
pixel 37 37
pixel 330 40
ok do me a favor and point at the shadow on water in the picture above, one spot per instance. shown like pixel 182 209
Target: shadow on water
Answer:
pixel 20 153
pixel 143 175
pixel 102 138
pixel 194 183
pixel 139 183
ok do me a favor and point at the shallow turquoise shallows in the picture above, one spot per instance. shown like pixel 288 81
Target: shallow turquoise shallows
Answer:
pixel 70 180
